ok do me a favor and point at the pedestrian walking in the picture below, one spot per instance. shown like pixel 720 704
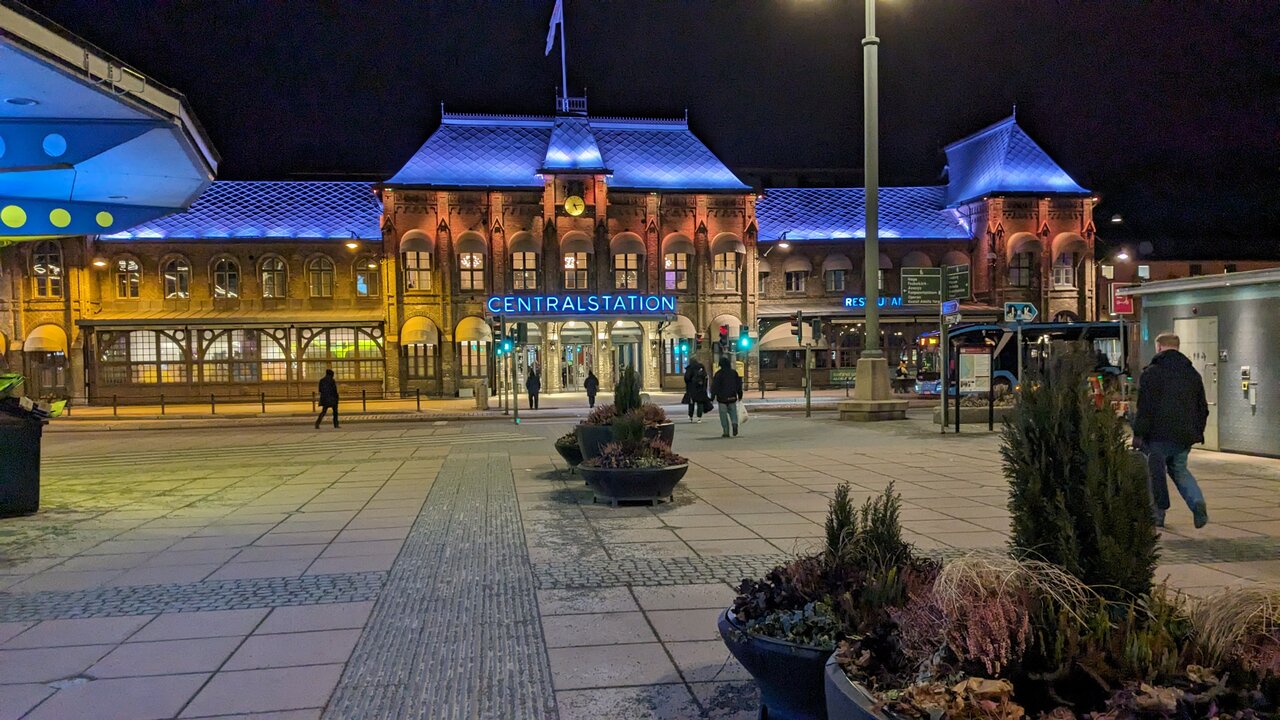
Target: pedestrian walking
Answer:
pixel 328 398
pixel 1172 413
pixel 564 377
pixel 726 389
pixel 695 389
pixel 534 385
pixel 592 386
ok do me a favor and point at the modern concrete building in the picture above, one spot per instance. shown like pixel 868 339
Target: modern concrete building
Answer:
pixel 1229 328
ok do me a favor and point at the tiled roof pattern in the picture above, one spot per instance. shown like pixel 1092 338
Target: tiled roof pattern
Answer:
pixel 835 213
pixel 506 151
pixel 270 209
pixel 1002 158
pixel 572 146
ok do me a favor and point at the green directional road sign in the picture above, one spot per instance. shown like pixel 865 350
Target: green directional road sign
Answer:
pixel 955 282
pixel 921 286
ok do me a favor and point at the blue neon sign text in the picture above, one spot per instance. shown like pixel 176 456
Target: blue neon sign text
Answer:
pixel 859 301
pixel 581 304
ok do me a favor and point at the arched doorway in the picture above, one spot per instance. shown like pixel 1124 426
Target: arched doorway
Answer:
pixel 529 355
pixel 626 342
pixel 45 352
pixel 576 353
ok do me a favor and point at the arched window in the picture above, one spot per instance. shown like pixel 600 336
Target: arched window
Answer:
pixel 367 276
pixel 524 271
pixel 1022 268
pixel 676 270
pixel 626 271
pixel 320 277
pixel 470 271
pixel 1064 269
pixel 575 271
pixel 226 278
pixel 46 268
pixel 128 279
pixel 724 271
pixel 177 279
pixel 274 279
pixel 417 271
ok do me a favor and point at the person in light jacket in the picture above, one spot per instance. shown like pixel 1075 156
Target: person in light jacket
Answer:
pixel 726 389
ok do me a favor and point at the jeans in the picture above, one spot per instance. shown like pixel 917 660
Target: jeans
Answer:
pixel 324 410
pixel 728 413
pixel 1167 457
pixel 694 405
pixel 533 401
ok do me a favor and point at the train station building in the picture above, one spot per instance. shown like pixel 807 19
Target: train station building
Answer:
pixel 615 241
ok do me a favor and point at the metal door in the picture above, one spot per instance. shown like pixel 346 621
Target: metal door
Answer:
pixel 1199 341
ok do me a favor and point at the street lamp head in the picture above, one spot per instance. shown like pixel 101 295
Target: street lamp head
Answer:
pixel 1122 255
pixel 784 245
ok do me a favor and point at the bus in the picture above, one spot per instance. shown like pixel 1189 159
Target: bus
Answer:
pixel 1107 339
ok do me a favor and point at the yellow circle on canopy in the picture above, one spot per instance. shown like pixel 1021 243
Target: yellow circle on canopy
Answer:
pixel 59 217
pixel 104 219
pixel 13 216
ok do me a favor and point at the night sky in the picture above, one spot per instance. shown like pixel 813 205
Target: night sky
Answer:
pixel 1170 110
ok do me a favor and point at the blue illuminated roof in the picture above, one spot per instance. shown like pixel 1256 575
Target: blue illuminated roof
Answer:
pixel 1002 158
pixel 236 209
pixel 836 213
pixel 509 151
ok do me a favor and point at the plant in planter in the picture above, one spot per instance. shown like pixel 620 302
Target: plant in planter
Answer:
pixel 567 446
pixel 634 467
pixel 597 430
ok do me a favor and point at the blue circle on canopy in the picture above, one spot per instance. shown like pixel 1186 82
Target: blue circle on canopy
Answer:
pixel 54 145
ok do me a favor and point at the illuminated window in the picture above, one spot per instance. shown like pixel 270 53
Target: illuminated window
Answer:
pixel 417 271
pixel 471 271
pixel 320 277
pixel 1022 269
pixel 420 361
pixel 835 280
pixel 724 271
pixel 177 279
pixel 1144 272
pixel 274 279
pixel 226 278
pixel 143 357
pixel 676 271
pixel 46 268
pixel 353 353
pixel 524 271
pixel 128 278
pixel 575 271
pixel 1064 269
pixel 626 271
pixel 473 359
pixel 796 280
pixel 366 276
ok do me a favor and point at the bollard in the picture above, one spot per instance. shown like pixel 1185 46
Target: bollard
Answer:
pixel 313 401
pixel 213 407
pixel 262 398
pixel 161 403
pixel 115 409
pixel 417 398
pixel 364 404
pixel 846 388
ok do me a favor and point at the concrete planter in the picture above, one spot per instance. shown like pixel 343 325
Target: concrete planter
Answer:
pixel 848 700
pixel 592 437
pixel 972 415
pixel 790 676
pixel 615 485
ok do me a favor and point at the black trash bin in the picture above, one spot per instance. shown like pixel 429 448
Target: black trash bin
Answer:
pixel 20 433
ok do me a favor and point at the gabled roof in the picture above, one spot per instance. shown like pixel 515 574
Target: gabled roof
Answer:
pixel 509 151
pixel 256 209
pixel 837 213
pixel 1002 158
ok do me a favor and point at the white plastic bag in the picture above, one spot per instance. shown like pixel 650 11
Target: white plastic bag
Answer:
pixel 742 413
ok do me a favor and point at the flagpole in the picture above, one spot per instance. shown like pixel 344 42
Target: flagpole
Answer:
pixel 564 72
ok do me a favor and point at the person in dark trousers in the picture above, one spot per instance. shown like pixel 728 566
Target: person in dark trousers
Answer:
pixel 328 398
pixel 1172 413
pixel 534 385
pixel 726 389
pixel 592 386
pixel 695 388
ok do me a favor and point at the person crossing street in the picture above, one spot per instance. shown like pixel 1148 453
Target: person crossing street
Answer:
pixel 328 391
pixel 1172 414
pixel 726 389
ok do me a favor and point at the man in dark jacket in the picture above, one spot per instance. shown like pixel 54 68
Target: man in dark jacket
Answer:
pixel 592 386
pixel 726 389
pixel 328 398
pixel 1172 412
pixel 534 385
pixel 695 388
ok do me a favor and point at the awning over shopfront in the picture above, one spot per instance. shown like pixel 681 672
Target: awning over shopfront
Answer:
pixel 46 338
pixel 87 145
pixel 419 331
pixel 781 338
pixel 472 329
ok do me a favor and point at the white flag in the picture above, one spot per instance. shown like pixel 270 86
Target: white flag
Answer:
pixel 557 18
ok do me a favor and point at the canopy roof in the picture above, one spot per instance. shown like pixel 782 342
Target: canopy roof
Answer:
pixel 514 150
pixel 87 144
pixel 251 209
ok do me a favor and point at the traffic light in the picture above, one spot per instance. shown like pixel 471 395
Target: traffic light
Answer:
pixel 495 322
pixel 744 340
pixel 683 347
pixel 522 333
pixel 697 342
pixel 507 345
pixel 816 324
pixel 797 324
pixel 724 336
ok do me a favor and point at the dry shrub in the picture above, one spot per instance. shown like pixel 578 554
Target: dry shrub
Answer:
pixel 1242 625
pixel 986 600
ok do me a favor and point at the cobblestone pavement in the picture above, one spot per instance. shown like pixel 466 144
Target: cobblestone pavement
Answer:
pixel 438 570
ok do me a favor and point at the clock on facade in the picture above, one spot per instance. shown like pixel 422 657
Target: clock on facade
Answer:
pixel 574 205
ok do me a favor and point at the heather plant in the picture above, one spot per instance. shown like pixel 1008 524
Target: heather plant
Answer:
pixel 626 394
pixel 568 441
pixel 1078 496
pixel 601 415
pixel 653 415
pixel 635 455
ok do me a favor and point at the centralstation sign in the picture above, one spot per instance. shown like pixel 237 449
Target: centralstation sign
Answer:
pixel 574 305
